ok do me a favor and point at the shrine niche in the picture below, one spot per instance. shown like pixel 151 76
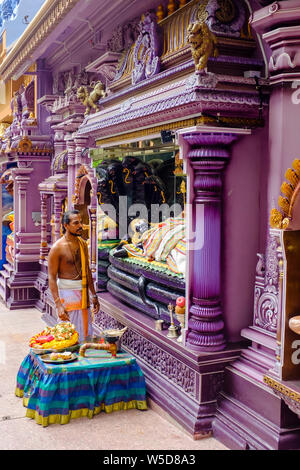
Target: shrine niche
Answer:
pixel 7 229
pixel 284 379
pixel 126 267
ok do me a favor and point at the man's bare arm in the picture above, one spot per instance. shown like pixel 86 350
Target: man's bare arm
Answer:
pixel 53 265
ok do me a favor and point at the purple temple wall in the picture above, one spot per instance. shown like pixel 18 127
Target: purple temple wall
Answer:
pixel 241 236
pixel 284 141
pixel 254 168
pixel 44 87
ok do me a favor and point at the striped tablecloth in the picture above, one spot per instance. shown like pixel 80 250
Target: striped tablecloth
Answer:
pixel 56 393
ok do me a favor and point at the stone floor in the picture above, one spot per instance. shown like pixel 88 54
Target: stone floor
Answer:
pixel 124 430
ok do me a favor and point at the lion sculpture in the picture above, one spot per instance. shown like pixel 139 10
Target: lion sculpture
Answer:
pixel 90 100
pixel 203 44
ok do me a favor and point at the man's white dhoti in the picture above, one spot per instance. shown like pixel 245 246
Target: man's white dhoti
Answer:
pixel 70 293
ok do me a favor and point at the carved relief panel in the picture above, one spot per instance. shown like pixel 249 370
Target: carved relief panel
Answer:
pixel 266 298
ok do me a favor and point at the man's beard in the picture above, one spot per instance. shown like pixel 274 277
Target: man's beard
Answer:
pixel 76 234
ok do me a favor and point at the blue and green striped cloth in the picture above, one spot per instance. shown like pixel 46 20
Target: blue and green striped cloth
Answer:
pixel 56 393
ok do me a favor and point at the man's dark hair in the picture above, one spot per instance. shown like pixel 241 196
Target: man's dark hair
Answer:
pixel 66 218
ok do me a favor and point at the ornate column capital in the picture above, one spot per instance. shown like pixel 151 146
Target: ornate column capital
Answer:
pixel 81 143
pixel 210 136
pixel 278 25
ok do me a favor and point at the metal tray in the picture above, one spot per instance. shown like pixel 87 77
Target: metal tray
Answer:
pixel 46 358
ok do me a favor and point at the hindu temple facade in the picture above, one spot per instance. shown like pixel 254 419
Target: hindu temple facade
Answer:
pixel 192 103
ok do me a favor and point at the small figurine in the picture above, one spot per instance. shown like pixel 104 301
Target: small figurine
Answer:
pixel 90 100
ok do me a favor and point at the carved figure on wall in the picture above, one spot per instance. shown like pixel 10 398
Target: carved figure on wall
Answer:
pixel 124 36
pixel 27 99
pixel 16 107
pixel 90 100
pixel 203 44
pixel 146 49
pixel 81 79
pixel 226 16
pixel 58 83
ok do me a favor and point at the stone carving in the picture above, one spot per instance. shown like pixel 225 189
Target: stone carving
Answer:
pixel 161 361
pixel 146 50
pixel 81 79
pixel 27 100
pixel 226 16
pixel 124 36
pixel 204 80
pixel 203 44
pixel 69 80
pixel 16 107
pixel 290 397
pixel 266 296
pixel 90 100
pixel 58 86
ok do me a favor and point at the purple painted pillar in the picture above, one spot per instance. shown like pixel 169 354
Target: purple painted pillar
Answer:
pixel 44 243
pixel 206 152
pixel 44 87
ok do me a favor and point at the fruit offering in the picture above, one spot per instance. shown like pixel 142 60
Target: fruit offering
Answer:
pixel 60 336
pixel 180 306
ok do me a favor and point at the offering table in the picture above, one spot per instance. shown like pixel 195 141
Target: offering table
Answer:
pixel 56 393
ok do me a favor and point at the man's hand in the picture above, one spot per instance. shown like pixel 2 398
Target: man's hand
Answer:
pixel 62 314
pixel 96 305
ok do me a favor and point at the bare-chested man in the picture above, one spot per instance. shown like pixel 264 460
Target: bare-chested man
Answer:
pixel 70 276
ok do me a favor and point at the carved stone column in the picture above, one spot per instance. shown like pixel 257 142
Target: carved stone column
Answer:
pixel 71 170
pixel 93 241
pixel 21 179
pixel 44 243
pixel 81 143
pixel 206 154
pixel 58 198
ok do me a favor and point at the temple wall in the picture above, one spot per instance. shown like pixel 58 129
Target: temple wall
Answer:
pixel 284 141
pixel 241 237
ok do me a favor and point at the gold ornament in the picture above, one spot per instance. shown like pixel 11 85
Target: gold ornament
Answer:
pixel 285 223
pixel 287 190
pixel 203 44
pixel 292 177
pixel 90 100
pixel 160 14
pixel 296 166
pixel 276 219
pixel 284 205
pixel 202 14
pixel 171 7
pixel 25 145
